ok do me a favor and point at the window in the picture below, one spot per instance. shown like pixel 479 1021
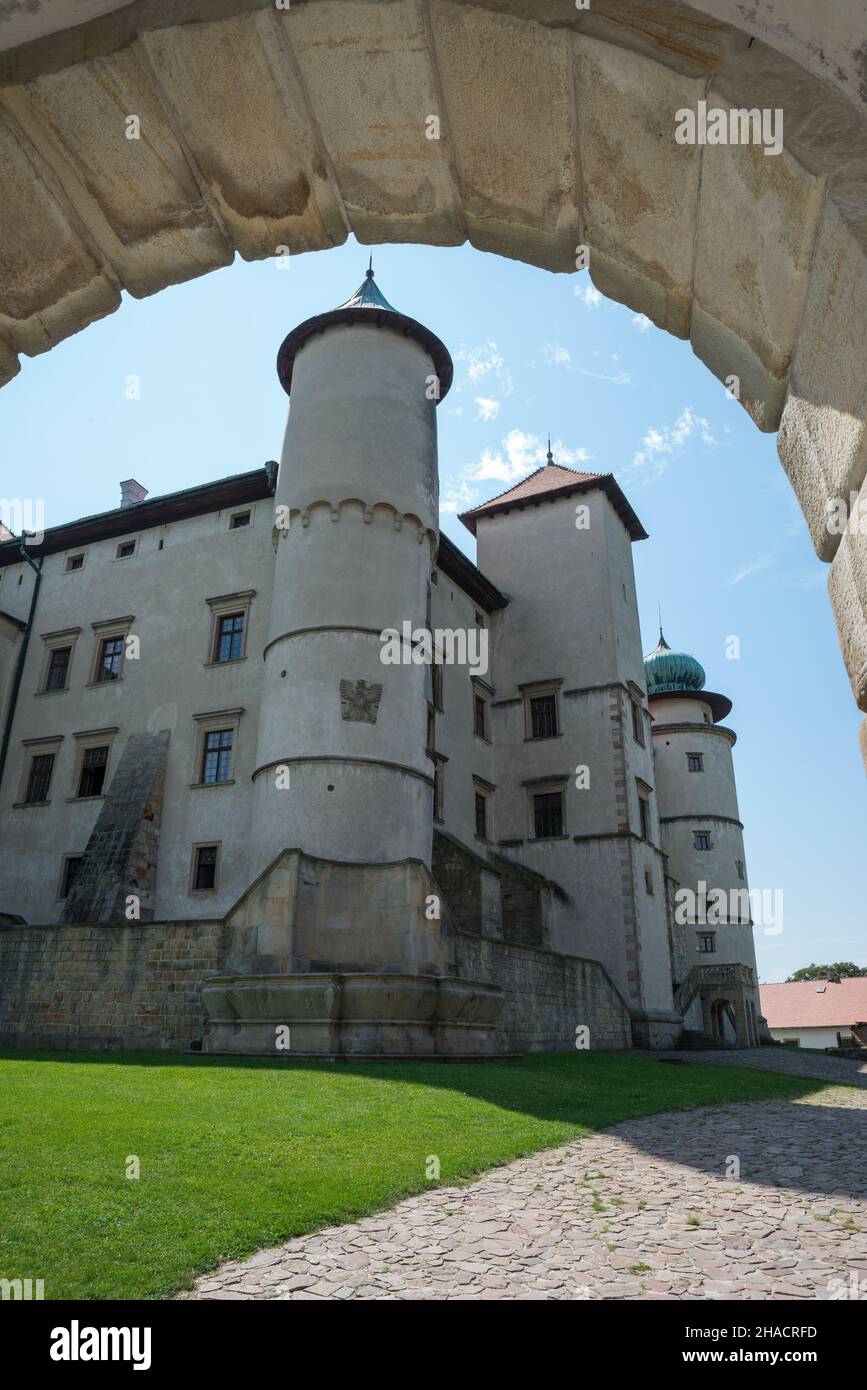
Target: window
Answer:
pixel 71 866
pixel 439 789
pixel 238 520
pixel 481 816
pixel 437 680
pixel 648 882
pixel 695 762
pixel 547 815
pixel 701 839
pixel 39 778
pixel 124 550
pixel 110 659
pixel 644 816
pixel 480 716
pixel 706 943
pixel 739 865
pixel 229 645
pixel 217 757
pixel 205 868
pixel 543 716
pixel 93 766
pixel 637 722
pixel 58 668
pixel 74 562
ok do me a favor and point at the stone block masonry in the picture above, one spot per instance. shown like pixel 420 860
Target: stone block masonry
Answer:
pixel 136 986
pixel 120 861
pixel 548 996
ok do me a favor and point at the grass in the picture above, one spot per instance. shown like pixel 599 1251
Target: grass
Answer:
pixel 238 1153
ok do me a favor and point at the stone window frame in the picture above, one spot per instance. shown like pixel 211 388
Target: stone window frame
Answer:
pixel 705 834
pixel 439 760
pixel 52 642
pixel 540 786
pixel 92 738
pixel 648 882
pixel 106 630
pixel 645 826
pixel 225 606
pixel 33 747
pixel 531 691
pixel 482 787
pixel 706 936
pixel 484 692
pixel 127 540
pixel 741 870
pixel 636 696
pixel 194 864
pixel 248 511
pixel 60 896
pixel 69 567
pixel 212 722
pixel 695 757
pixel 437 685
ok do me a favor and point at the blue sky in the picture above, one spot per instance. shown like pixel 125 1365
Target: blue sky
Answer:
pixel 728 555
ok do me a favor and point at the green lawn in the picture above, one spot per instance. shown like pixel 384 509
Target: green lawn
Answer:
pixel 236 1153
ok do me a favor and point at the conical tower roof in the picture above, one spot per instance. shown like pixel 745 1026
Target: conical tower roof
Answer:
pixel 368 305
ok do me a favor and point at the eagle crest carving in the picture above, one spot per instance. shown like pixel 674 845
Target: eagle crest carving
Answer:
pixel 359 701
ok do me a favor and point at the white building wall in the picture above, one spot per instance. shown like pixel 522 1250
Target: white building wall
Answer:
pixel 165 592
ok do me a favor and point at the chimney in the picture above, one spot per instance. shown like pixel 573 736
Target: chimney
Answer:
pixel 132 492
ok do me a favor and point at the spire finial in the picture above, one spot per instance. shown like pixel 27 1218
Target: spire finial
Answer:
pixel 368 274
pixel 550 455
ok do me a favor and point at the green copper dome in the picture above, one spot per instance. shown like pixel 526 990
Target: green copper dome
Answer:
pixel 665 670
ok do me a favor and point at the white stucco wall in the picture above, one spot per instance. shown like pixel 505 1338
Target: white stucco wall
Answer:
pixel 813 1037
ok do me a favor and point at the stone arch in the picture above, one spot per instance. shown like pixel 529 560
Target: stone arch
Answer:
pixel 529 129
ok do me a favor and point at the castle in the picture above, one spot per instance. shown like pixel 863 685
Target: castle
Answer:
pixel 283 769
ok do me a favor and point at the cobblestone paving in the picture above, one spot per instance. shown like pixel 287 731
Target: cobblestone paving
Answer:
pixel 784 1059
pixel 643 1210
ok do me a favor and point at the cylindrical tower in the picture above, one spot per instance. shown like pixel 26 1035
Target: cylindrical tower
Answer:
pixel 703 839
pixel 342 768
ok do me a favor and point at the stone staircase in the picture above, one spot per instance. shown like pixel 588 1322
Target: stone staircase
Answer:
pixel 693 1040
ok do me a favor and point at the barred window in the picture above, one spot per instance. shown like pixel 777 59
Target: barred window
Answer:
pixel 707 943
pixel 39 780
pixel 217 755
pixel 543 716
pixel 547 814
pixel 481 816
pixel 58 668
pixel 701 839
pixel 695 762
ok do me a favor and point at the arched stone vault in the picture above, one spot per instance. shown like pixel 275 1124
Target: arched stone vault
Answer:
pixel 264 128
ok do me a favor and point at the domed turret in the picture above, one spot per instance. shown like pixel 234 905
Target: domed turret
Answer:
pixel 671 674
pixel 666 670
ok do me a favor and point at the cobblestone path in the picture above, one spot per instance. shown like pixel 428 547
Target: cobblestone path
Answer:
pixel 643 1210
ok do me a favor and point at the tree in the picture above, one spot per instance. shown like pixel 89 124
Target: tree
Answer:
pixel 846 969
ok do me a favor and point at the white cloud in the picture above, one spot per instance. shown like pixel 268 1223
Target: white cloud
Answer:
pixel 557 354
pixel 521 453
pixel 749 569
pixel 588 295
pixel 661 444
pixel 457 497
pixel 484 362
pixel 488 409
pixel 641 322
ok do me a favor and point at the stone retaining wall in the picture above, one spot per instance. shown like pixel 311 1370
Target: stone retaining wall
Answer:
pixel 136 986
pixel 547 996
